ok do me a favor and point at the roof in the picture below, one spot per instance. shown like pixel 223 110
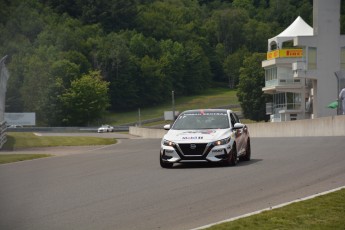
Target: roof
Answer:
pixel 298 28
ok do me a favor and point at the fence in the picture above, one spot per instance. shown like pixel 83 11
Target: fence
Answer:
pixel 3 138
pixel 3 83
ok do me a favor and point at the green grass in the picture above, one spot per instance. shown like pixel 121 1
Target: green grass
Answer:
pixel 211 98
pixel 323 212
pixel 9 158
pixel 20 140
pixel 17 140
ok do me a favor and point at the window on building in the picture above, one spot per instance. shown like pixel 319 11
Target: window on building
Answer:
pixel 287 44
pixel 271 74
pixel 287 100
pixel 285 73
pixel 312 58
pixel 274 46
pixel 293 101
pixel 279 101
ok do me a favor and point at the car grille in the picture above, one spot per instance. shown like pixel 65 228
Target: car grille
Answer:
pixel 188 149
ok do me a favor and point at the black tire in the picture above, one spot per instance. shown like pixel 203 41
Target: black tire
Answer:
pixel 248 152
pixel 165 164
pixel 232 160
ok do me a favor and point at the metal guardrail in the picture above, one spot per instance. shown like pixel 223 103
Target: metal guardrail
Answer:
pixel 64 129
pixel 119 128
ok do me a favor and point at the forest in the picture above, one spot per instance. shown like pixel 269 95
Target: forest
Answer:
pixel 71 60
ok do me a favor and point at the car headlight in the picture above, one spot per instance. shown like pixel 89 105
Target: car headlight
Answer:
pixel 168 143
pixel 222 142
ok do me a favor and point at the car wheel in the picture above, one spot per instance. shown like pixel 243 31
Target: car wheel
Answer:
pixel 232 160
pixel 165 164
pixel 247 156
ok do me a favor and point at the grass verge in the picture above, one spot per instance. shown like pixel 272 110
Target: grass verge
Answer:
pixel 17 140
pixel 9 158
pixel 20 140
pixel 323 212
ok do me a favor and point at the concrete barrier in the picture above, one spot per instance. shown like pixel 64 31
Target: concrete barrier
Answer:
pixel 147 132
pixel 324 126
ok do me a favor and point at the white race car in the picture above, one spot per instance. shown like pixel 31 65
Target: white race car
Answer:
pixel 209 135
pixel 105 129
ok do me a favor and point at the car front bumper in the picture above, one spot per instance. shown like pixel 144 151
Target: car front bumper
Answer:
pixel 182 153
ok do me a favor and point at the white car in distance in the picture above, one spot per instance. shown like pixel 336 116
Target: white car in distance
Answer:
pixel 105 129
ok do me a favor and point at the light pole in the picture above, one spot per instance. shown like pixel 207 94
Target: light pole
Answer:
pixel 173 104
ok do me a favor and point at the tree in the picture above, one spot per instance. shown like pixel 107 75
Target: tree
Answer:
pixel 144 49
pixel 232 64
pixel 151 81
pixel 37 79
pixel 250 95
pixel 229 30
pixel 178 20
pixel 53 109
pixel 67 34
pixel 65 70
pixel 256 35
pixel 112 15
pixel 197 73
pixel 173 66
pixel 86 99
pixel 114 57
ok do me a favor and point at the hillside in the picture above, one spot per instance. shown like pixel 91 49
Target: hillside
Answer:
pixel 211 98
pixel 60 51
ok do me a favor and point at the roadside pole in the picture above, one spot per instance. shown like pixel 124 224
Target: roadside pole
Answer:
pixel 173 104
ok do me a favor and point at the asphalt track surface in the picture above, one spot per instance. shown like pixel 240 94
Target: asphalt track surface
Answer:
pixel 122 186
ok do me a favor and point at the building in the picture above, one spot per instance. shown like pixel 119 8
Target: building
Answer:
pixel 305 66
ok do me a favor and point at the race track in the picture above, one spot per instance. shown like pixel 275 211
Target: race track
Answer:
pixel 123 187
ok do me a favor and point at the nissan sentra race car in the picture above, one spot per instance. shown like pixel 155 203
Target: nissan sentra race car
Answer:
pixel 208 135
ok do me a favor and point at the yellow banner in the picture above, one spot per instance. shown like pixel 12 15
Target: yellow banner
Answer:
pixel 273 54
pixel 285 53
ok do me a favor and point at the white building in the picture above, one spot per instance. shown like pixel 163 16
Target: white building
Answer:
pixel 301 66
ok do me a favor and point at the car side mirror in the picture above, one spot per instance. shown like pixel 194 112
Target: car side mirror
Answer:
pixel 238 126
pixel 167 127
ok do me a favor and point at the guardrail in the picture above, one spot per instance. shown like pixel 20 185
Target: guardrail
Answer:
pixel 64 129
pixel 3 137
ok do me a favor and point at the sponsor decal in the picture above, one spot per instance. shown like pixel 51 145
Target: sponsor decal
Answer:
pixel 199 132
pixel 202 112
pixel 192 138
pixel 218 150
pixel 285 53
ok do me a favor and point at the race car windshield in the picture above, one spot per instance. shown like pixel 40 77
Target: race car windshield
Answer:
pixel 212 120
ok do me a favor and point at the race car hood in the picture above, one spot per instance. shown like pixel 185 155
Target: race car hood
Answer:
pixel 197 136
